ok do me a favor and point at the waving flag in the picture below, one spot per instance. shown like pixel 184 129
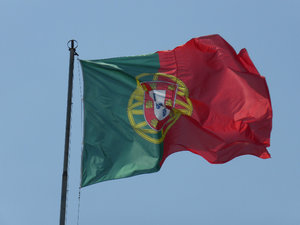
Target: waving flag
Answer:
pixel 200 97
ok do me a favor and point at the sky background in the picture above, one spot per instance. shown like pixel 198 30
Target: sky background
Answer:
pixel 188 190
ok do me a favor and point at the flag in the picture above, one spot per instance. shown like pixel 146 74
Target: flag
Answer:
pixel 202 97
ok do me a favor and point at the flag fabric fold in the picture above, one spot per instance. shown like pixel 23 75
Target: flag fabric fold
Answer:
pixel 201 97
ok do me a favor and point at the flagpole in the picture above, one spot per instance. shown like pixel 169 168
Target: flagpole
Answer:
pixel 64 185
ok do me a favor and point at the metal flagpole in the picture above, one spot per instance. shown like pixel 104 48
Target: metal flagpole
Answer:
pixel 64 185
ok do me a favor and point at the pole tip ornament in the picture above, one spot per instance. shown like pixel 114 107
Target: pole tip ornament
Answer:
pixel 72 44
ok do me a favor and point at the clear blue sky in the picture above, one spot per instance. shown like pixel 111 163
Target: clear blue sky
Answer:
pixel 188 190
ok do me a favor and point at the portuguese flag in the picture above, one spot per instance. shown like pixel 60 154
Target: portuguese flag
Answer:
pixel 200 97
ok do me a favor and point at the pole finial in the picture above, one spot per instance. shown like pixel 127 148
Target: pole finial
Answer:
pixel 72 45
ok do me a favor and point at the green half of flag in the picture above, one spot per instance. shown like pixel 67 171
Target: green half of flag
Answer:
pixel 112 149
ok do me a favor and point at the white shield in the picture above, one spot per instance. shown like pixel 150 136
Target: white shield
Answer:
pixel 159 97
